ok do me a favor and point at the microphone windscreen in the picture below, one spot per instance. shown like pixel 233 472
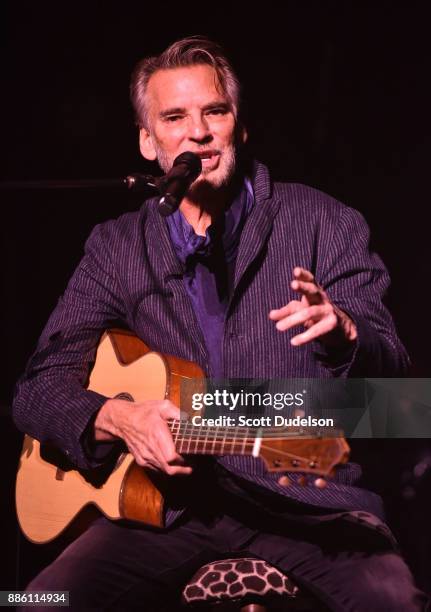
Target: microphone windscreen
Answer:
pixel 192 161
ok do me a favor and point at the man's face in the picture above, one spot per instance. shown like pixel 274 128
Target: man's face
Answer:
pixel 188 111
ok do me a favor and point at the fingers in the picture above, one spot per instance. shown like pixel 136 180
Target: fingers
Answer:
pixel 170 461
pixel 326 325
pixel 149 438
pixel 290 308
pixel 302 316
pixel 315 312
pixel 303 275
pixel 168 410
pixel 305 283
pixel 313 293
pixel 158 452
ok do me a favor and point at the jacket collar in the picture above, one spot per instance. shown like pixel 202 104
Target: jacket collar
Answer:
pixel 256 230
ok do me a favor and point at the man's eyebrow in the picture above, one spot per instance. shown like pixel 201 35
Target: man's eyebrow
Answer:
pixel 217 104
pixel 172 111
pixel 181 111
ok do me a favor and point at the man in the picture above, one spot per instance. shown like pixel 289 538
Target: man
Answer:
pixel 249 279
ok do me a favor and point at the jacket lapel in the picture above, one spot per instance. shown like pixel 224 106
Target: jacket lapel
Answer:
pixel 169 265
pixel 258 224
pixel 170 271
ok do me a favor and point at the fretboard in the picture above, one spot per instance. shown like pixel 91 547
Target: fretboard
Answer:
pixel 192 439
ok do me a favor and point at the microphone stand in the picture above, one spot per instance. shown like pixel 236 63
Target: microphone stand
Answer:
pixel 172 186
pixel 133 182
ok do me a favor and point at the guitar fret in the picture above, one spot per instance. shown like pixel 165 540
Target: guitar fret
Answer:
pixel 175 430
pixel 190 436
pixel 190 439
pixel 233 444
pixel 206 439
pixel 243 446
pixel 197 440
pixel 180 448
pixel 224 441
pixel 215 438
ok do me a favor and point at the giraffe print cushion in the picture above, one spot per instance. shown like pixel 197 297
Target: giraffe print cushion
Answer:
pixel 236 578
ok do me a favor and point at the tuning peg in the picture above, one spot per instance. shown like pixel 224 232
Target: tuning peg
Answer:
pixel 320 483
pixel 284 481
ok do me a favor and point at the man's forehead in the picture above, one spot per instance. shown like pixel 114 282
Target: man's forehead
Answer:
pixel 170 86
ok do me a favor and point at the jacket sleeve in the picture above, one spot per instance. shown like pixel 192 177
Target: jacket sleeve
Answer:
pixel 356 280
pixel 51 403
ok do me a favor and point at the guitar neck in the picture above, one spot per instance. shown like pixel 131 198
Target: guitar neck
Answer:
pixel 191 439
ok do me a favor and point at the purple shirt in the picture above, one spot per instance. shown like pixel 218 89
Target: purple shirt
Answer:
pixel 209 263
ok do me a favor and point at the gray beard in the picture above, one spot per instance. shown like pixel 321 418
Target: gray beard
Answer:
pixel 217 182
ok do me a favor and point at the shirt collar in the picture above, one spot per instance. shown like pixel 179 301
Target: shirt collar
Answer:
pixel 188 244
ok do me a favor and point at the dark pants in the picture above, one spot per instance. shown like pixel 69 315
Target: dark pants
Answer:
pixel 115 566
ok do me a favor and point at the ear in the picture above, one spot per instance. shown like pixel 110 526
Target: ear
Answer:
pixel 146 145
pixel 242 133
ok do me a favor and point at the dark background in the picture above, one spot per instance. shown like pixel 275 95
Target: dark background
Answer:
pixel 336 97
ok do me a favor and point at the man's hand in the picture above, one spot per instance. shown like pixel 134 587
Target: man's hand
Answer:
pixel 322 319
pixel 144 428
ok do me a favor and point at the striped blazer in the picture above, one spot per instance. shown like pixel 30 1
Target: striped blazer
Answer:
pixel 130 275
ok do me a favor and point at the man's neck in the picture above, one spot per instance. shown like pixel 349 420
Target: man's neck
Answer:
pixel 199 218
pixel 202 207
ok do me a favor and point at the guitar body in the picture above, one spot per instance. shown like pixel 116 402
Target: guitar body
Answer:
pixel 49 497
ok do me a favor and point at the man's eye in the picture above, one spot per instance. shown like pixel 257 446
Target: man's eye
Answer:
pixel 173 118
pixel 217 111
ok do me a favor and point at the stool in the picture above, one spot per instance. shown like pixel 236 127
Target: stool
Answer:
pixel 248 585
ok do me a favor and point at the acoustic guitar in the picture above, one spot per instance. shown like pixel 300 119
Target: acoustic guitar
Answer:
pixel 50 493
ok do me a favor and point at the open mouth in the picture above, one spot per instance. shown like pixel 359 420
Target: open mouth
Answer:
pixel 209 158
pixel 204 155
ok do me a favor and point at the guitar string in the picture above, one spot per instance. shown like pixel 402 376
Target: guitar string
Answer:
pixel 222 442
pixel 188 423
pixel 233 439
pixel 197 430
pixel 250 443
pixel 219 444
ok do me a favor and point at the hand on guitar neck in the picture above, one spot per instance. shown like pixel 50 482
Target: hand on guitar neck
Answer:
pixel 143 426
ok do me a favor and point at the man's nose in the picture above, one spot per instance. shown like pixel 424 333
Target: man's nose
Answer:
pixel 199 130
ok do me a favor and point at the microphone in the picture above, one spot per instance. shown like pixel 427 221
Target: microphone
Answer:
pixel 173 186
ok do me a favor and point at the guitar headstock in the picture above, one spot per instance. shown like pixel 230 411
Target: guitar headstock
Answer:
pixel 312 455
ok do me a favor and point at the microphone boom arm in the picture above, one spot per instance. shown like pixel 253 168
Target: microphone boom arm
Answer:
pixel 135 182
